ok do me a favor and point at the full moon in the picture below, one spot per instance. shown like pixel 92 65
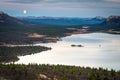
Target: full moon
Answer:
pixel 24 11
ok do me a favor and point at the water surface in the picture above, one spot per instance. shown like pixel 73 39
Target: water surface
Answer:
pixel 100 50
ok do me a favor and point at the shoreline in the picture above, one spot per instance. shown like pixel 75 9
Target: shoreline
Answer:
pixel 10 54
pixel 45 39
pixel 52 39
pixel 38 38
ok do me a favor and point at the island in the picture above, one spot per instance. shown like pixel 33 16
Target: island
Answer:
pixel 73 45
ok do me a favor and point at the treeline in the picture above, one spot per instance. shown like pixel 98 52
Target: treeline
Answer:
pixel 8 54
pixel 55 72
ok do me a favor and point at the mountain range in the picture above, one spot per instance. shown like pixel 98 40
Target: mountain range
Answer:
pixel 61 21
pixel 64 21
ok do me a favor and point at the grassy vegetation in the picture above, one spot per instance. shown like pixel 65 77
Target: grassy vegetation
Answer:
pixel 55 72
pixel 8 54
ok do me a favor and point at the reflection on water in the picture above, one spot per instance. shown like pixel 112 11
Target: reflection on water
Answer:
pixel 100 50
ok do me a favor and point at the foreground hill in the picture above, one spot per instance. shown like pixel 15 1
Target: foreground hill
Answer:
pixel 55 72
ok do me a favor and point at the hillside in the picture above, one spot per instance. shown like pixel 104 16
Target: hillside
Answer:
pixel 6 19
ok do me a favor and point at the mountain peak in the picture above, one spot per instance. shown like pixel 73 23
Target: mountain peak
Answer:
pixel 99 17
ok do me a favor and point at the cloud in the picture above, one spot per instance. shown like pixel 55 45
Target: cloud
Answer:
pixel 50 1
pixel 68 3
pixel 58 1
pixel 22 1
pixel 88 7
pixel 113 0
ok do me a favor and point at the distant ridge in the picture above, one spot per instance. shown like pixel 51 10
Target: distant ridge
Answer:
pixel 65 21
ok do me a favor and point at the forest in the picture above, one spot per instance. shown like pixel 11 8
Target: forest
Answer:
pixel 55 72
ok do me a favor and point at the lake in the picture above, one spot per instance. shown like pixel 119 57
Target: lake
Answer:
pixel 100 50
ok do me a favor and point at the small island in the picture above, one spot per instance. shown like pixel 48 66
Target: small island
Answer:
pixel 73 45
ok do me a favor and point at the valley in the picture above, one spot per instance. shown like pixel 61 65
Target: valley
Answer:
pixel 88 42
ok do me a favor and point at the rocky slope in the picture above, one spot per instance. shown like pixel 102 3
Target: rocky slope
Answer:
pixel 113 21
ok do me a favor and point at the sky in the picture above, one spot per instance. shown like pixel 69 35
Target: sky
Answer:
pixel 61 8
